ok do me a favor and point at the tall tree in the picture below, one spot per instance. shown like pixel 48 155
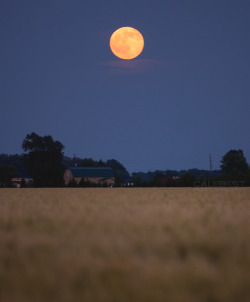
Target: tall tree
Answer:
pixel 234 165
pixel 89 162
pixel 121 174
pixel 43 160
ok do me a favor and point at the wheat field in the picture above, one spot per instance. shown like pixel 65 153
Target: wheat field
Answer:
pixel 125 245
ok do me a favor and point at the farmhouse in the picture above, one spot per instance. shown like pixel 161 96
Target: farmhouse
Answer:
pixel 97 175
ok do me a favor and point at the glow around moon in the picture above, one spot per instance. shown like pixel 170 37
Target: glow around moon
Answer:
pixel 126 43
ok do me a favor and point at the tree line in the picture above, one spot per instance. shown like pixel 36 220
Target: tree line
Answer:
pixel 43 160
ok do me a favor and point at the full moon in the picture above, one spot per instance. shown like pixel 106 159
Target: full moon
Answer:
pixel 126 43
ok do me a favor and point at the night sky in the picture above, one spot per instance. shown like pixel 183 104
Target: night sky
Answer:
pixel 187 95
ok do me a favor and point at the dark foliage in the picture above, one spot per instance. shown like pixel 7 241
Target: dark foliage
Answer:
pixel 234 166
pixel 89 162
pixel 44 160
pixel 6 173
pixel 16 161
pixel 187 180
pixel 45 163
pixel 121 174
pixel 71 162
pixel 167 178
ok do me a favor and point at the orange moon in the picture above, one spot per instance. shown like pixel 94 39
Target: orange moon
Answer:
pixel 126 43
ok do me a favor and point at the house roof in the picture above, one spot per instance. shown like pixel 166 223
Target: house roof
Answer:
pixel 92 172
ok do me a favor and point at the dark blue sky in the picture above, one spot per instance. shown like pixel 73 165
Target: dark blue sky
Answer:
pixel 186 95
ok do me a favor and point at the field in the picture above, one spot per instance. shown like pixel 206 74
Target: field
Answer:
pixel 125 245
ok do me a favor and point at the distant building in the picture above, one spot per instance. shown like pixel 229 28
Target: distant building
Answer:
pixel 17 181
pixel 96 175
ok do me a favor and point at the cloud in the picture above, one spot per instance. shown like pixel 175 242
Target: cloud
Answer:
pixel 133 66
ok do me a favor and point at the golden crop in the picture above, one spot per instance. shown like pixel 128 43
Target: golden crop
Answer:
pixel 125 245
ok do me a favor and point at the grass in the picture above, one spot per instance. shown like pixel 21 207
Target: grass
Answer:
pixel 124 245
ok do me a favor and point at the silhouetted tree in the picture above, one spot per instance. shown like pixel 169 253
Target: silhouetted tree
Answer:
pixel 101 163
pixel 6 173
pixel 89 162
pixel 121 174
pixel 16 161
pixel 138 181
pixel 43 160
pixel 234 165
pixel 187 180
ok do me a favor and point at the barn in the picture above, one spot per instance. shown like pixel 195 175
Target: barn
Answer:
pixel 96 175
